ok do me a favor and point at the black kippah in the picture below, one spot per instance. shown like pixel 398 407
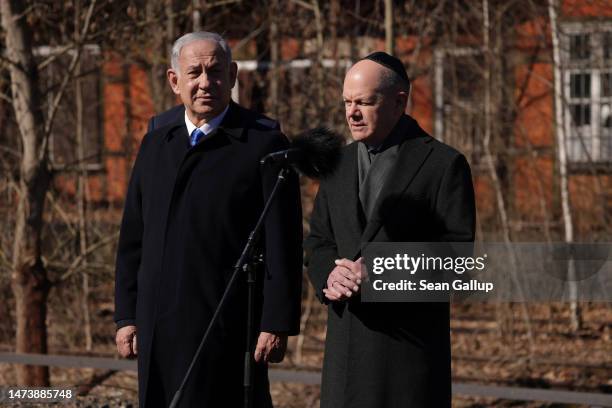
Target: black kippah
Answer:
pixel 390 62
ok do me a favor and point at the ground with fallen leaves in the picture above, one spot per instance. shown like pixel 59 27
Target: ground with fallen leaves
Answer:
pixel 491 345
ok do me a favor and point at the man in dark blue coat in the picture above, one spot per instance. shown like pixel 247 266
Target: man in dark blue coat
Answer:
pixel 167 117
pixel 195 193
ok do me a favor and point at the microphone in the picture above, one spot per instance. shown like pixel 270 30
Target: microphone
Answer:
pixel 314 153
pixel 283 156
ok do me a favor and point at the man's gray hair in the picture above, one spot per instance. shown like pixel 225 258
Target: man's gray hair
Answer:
pixel 198 36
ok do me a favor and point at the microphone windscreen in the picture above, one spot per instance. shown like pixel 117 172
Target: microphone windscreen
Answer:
pixel 320 152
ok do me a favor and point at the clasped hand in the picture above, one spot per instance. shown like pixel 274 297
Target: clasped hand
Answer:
pixel 345 279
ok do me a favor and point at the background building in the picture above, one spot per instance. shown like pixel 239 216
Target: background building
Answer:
pixel 483 75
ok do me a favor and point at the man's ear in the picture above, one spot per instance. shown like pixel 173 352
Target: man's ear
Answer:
pixel 402 100
pixel 173 80
pixel 233 72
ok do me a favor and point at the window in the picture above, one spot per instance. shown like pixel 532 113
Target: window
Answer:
pixel 63 150
pixel 587 68
pixel 459 119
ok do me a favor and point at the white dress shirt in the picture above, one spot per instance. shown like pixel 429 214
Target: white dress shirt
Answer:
pixel 207 127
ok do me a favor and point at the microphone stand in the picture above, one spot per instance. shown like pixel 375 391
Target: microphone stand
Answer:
pixel 245 263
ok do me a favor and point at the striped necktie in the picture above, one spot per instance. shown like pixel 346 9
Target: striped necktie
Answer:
pixel 196 136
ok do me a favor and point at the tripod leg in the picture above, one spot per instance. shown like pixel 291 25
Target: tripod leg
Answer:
pixel 248 355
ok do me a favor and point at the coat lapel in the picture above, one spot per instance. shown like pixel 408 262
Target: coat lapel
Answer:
pixel 347 188
pixel 177 144
pixel 233 122
pixel 171 153
pixel 413 151
pixel 168 159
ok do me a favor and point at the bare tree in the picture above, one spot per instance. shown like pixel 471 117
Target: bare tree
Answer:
pixel 160 41
pixel 490 158
pixel 568 228
pixel 30 282
pixel 275 57
pixel 29 278
pixel 82 184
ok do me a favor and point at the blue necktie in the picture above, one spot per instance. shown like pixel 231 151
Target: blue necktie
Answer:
pixel 196 136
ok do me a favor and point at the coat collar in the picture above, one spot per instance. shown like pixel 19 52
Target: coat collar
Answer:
pixel 232 124
pixel 413 151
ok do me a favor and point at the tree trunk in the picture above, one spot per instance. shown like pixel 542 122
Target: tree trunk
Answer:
pixel 575 315
pixel 161 43
pixel 389 34
pixel 196 15
pixel 319 73
pixel 275 57
pixel 492 168
pixel 82 185
pixel 29 279
pixel 299 347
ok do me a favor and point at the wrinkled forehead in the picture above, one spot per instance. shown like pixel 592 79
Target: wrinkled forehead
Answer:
pixel 202 50
pixel 359 86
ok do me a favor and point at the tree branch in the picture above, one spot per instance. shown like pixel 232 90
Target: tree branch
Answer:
pixel 6 98
pixel 58 53
pixel 303 4
pixel 78 260
pixel 7 61
pixel 58 97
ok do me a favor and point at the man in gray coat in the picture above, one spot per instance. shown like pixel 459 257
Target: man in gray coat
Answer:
pixel 394 184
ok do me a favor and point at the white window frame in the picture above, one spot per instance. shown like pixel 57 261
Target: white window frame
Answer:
pixel 443 110
pixel 584 143
pixel 254 65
